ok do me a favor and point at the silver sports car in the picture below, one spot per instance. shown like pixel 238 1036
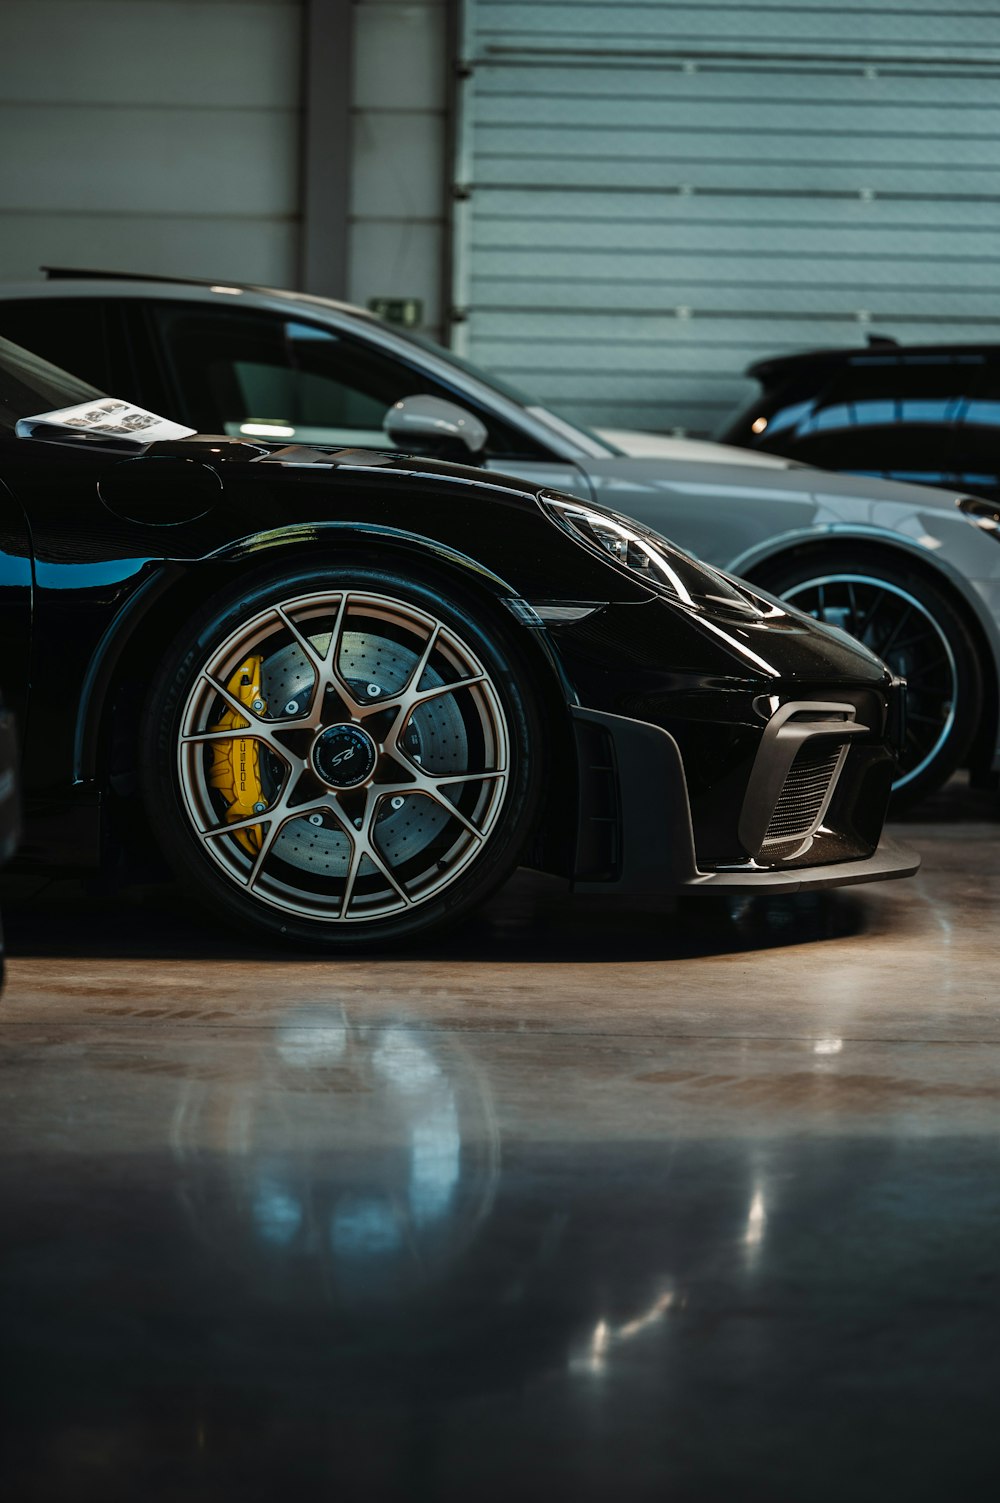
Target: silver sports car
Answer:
pixel 896 565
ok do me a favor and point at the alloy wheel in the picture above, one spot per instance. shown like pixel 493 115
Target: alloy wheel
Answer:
pixel 898 628
pixel 343 755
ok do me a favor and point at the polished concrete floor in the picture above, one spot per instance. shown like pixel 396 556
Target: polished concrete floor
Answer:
pixel 575 1204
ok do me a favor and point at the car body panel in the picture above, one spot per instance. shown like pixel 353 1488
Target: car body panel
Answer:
pixel 16 591
pixel 641 445
pixel 799 506
pixel 685 692
pixel 742 516
pixel 672 485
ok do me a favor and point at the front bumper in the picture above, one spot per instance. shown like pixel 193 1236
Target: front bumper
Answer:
pixel 634 819
pixel 890 859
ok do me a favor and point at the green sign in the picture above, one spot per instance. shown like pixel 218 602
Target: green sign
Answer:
pixel 408 311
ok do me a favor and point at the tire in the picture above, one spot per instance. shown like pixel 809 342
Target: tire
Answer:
pixel 909 622
pixel 388 746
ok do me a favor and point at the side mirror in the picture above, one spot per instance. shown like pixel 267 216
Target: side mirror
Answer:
pixel 429 425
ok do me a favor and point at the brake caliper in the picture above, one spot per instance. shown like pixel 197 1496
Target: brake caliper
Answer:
pixel 235 769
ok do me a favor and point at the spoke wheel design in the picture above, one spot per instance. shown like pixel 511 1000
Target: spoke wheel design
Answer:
pixel 918 636
pixel 376 746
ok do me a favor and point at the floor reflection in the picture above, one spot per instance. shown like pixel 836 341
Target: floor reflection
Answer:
pixel 332 1254
pixel 510 1216
pixel 360 1162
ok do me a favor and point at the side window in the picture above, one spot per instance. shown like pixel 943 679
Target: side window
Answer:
pixel 263 375
pixel 890 418
pixel 70 333
pixel 979 432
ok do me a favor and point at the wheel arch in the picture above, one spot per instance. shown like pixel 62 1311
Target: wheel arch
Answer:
pixel 902 553
pixel 114 687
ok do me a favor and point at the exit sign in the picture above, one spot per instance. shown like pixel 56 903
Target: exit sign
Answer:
pixel 407 311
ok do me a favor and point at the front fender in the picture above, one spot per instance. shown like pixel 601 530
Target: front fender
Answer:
pixel 778 544
pixel 157 607
pixel 934 561
pixel 300 537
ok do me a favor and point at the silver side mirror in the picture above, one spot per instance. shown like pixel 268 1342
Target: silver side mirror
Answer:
pixel 429 425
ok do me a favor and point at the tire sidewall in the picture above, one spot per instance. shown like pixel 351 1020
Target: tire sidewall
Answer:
pixel 788 574
pixel 168 695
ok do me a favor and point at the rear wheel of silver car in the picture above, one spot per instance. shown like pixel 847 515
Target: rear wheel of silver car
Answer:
pixel 341 756
pixel 903 618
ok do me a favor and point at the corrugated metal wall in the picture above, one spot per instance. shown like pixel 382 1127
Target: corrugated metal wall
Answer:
pixel 653 194
pixel 151 135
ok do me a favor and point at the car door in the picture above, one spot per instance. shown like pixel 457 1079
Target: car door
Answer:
pixel 80 569
pixel 978 433
pixel 16 587
pixel 269 374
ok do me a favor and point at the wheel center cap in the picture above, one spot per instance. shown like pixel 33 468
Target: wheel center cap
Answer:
pixel 344 756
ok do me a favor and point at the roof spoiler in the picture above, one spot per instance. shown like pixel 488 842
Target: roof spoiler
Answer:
pixel 93 274
pixel 774 366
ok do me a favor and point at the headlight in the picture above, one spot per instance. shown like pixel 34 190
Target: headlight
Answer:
pixel 661 564
pixel 624 541
pixel 982 514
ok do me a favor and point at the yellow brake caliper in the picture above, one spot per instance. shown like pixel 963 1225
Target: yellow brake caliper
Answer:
pixel 235 769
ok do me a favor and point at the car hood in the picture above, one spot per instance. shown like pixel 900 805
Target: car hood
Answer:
pixel 637 445
pixel 728 478
pixel 732 481
pixel 226 451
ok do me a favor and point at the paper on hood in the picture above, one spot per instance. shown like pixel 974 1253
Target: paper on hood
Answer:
pixel 111 416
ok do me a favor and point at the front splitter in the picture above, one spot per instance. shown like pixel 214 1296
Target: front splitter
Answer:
pixel 890 859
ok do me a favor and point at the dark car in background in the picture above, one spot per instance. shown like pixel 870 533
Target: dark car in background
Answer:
pixel 894 565
pixel 345 692
pixel 929 414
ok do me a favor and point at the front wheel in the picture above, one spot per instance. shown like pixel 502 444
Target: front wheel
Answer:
pixel 341 756
pixel 907 621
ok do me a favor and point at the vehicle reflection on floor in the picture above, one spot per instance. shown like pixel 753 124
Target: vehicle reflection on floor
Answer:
pixel 360 1162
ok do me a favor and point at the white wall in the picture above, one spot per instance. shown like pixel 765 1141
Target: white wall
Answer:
pixel 151 135
pixel 398 231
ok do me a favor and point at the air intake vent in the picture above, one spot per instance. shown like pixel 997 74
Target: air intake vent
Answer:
pixel 598 855
pixel 805 794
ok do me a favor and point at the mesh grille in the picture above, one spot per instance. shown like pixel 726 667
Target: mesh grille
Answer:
pixel 797 811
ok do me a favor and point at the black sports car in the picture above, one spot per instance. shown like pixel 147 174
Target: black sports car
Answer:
pixel 895 565
pixel 345 693
pixel 10 820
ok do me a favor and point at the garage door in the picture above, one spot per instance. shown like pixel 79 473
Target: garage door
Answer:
pixel 650 195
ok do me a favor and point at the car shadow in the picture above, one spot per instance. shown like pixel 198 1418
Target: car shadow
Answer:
pixel 534 919
pixel 957 803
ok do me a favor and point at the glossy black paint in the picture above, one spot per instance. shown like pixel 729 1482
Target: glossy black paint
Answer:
pixel 108 550
pixel 10 803
pixel 251 362
pixel 923 413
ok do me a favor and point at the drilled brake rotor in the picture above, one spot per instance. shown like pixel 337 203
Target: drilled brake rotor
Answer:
pixel 436 738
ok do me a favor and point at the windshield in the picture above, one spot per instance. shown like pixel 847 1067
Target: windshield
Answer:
pixel 29 385
pixel 565 427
